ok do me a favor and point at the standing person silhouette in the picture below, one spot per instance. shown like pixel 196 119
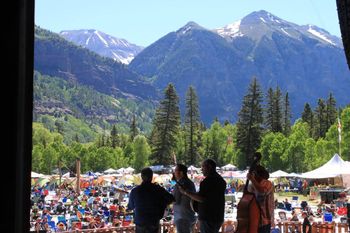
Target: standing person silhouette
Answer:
pixel 210 198
pixel 264 193
pixel 184 216
pixel 148 201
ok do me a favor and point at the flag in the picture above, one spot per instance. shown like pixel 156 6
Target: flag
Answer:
pixel 339 129
pixel 174 157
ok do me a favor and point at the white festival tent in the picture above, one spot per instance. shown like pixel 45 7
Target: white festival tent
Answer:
pixel 110 171
pixel 36 175
pixel 279 173
pixel 335 167
pixel 229 167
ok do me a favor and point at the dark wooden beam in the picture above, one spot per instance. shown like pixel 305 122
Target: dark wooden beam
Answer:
pixel 343 8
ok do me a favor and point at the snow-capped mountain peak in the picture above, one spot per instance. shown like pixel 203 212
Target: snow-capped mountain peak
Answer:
pixel 105 45
pixel 320 33
pixel 190 26
pixel 230 30
pixel 259 24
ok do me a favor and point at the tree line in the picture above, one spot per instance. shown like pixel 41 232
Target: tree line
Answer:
pixel 264 124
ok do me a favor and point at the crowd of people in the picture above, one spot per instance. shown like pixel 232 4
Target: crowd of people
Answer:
pixel 148 203
pixel 182 202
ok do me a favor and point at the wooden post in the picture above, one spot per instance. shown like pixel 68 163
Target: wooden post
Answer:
pixel 78 175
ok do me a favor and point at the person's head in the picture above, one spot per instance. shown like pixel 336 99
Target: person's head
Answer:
pixel 147 174
pixel 261 172
pixel 208 167
pixel 180 171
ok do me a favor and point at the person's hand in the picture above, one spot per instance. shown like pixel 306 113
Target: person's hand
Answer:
pixel 182 190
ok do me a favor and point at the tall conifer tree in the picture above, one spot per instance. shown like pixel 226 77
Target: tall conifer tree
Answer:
pixel 331 111
pixel 269 119
pixel 249 126
pixel 133 129
pixel 114 137
pixel 166 127
pixel 192 125
pixel 320 119
pixel 308 117
pixel 278 110
pixel 287 115
pixel 273 118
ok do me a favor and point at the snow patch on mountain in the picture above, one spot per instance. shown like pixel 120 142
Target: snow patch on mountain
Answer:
pixel 319 35
pixel 230 30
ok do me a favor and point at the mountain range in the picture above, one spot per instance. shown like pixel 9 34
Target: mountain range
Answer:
pixel 303 60
pixel 106 45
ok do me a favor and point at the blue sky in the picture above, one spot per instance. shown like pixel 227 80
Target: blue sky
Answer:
pixel 144 21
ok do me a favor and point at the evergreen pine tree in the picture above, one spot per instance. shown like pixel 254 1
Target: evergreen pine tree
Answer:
pixel 269 119
pixel 277 110
pixel 114 137
pixel 320 119
pixel 273 113
pixel 249 125
pixel 166 126
pixel 133 129
pixel 308 117
pixel 192 124
pixel 286 116
pixel 76 138
pixel 331 111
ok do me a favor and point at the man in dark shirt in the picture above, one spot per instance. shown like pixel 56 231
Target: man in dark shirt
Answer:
pixel 306 223
pixel 210 198
pixel 148 201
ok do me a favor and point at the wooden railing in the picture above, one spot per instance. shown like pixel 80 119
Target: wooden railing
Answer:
pixel 229 227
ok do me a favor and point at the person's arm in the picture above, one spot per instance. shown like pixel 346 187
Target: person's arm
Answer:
pixel 193 195
pixel 262 187
pixel 307 228
pixel 131 204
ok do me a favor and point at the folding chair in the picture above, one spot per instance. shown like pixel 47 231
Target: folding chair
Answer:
pixel 295 200
pixel 282 215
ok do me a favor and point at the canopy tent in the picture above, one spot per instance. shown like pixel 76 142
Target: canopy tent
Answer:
pixel 36 175
pixel 230 174
pixel 336 166
pixel 229 167
pixel 110 171
pixel 129 170
pixel 279 173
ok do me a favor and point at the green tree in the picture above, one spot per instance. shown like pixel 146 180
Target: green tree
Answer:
pixel 320 119
pixel 141 152
pixel 216 142
pixel 134 131
pixel 308 117
pixel 295 151
pixel 273 147
pixel 249 125
pixel 287 115
pixel 273 110
pixel 166 126
pixel 114 137
pixel 345 133
pixel 192 124
pixel 331 111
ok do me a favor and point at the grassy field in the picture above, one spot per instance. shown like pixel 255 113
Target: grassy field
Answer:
pixel 281 196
